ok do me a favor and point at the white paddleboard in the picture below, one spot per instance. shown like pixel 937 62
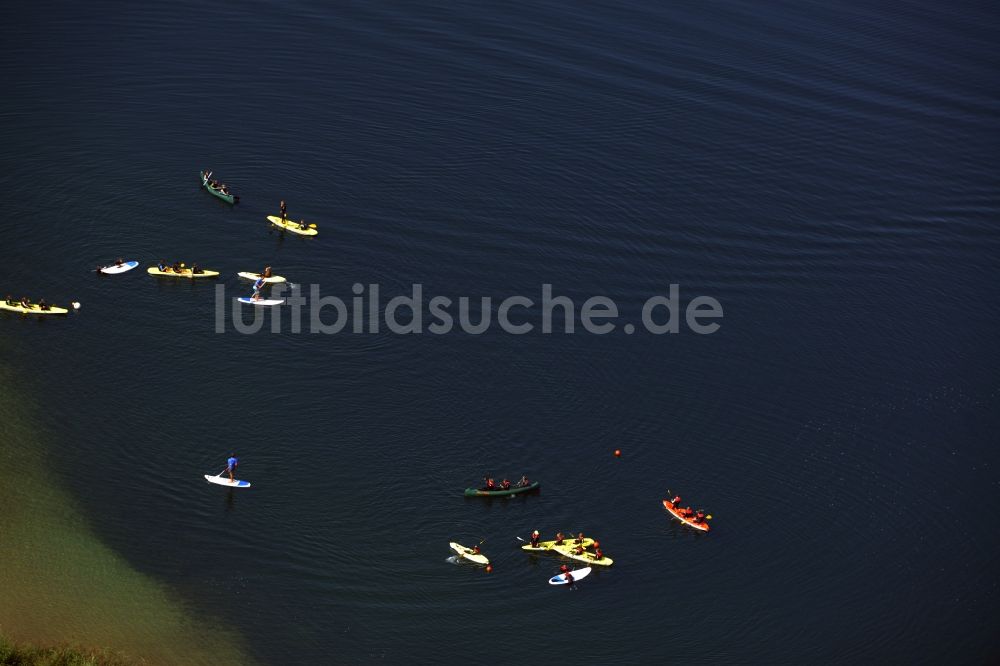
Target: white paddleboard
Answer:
pixel 274 279
pixel 579 574
pixel 261 301
pixel 224 481
pixel 127 266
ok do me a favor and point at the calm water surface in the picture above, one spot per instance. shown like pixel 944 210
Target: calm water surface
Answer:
pixel 827 172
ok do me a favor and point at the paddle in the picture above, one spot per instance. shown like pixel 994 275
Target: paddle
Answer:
pixel 470 551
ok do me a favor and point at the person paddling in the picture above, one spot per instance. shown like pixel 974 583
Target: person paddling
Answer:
pixel 534 539
pixel 231 466
pixel 267 272
pixel 257 285
pixel 284 210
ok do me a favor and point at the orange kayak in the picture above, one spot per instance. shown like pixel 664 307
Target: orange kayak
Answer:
pixel 669 506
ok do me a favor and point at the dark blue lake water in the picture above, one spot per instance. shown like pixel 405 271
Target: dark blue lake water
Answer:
pixel 827 172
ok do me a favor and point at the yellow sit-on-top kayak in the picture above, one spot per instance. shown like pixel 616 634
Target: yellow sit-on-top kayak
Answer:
pixel 585 556
pixel 469 554
pixel 294 227
pixel 184 273
pixel 549 545
pixel 34 308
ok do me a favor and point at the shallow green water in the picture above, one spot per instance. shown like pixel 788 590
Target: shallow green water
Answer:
pixel 60 583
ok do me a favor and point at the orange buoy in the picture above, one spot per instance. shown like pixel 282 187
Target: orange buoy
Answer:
pixel 618 453
pixel 489 568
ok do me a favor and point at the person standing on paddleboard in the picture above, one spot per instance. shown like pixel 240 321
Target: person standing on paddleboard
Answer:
pixel 231 466
pixel 284 211
pixel 256 288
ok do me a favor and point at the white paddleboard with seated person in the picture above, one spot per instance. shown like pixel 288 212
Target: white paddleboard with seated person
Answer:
pixel 274 279
pixel 579 574
pixel 114 268
pixel 224 481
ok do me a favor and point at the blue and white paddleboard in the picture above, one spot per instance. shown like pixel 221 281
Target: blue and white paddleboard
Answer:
pixel 261 301
pixel 577 575
pixel 127 266
pixel 224 481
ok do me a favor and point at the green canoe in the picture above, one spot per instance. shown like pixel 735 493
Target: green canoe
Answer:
pixel 475 492
pixel 228 198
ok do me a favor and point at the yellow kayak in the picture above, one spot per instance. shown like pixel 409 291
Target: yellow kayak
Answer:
pixel 469 554
pixel 549 545
pixel 34 308
pixel 274 279
pixel 588 557
pixel 185 273
pixel 292 226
